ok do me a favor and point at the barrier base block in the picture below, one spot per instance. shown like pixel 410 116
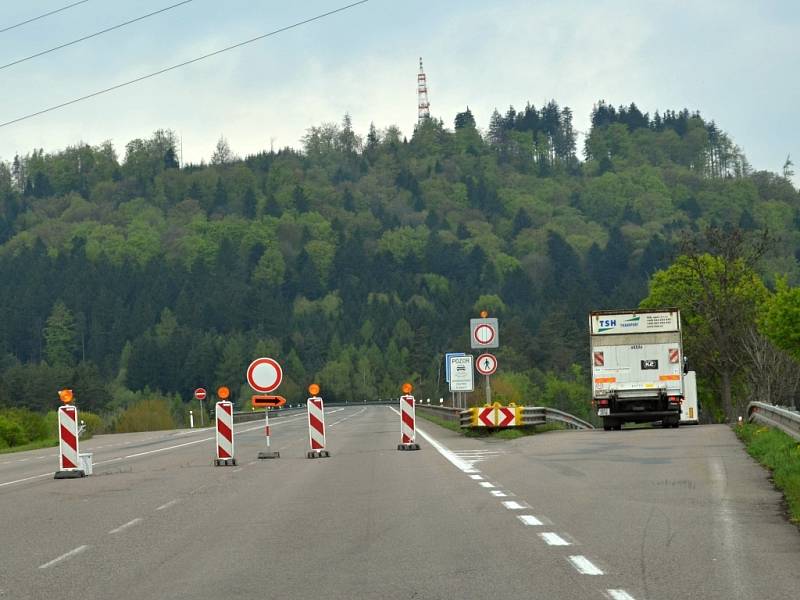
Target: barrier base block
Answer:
pixel 408 446
pixel 69 474
pixel 265 454
pixel 318 454
pixel 224 462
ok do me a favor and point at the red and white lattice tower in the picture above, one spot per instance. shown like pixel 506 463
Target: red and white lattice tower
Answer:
pixel 422 94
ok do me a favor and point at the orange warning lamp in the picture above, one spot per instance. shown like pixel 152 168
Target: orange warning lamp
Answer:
pixel 407 388
pixel 313 389
pixel 484 314
pixel 65 396
pixel 223 393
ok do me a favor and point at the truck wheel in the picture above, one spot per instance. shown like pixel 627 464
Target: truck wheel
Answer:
pixel 618 426
pixel 607 427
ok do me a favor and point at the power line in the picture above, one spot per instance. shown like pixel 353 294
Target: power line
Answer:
pixel 52 12
pixel 183 64
pixel 93 35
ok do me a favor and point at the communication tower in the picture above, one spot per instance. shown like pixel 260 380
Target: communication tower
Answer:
pixel 422 94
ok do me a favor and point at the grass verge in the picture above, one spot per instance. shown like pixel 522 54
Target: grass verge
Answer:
pixel 30 446
pixel 451 425
pixel 781 455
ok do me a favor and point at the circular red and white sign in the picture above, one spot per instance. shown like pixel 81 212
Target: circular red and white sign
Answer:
pixel 486 364
pixel 200 393
pixel 264 375
pixel 484 334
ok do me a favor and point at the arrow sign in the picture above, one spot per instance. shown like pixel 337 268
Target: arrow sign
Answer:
pixel 505 416
pixel 486 417
pixel 486 364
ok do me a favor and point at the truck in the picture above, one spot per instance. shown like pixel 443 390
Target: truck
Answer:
pixel 638 366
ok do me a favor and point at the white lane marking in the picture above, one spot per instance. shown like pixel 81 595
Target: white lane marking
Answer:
pixel 69 554
pixel 584 565
pixel 125 526
pixel 461 465
pixel 50 474
pixel 346 418
pixel 499 494
pixel 553 539
pixel 512 505
pixel 529 520
pixel 236 470
pixel 486 484
pixel 476 477
pixel 620 595
pixel 168 504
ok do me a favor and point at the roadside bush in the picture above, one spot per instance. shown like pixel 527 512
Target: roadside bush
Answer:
pixel 94 423
pixel 11 432
pixel 152 414
pixel 32 424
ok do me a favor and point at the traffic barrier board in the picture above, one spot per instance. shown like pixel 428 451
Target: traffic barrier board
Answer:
pixel 225 449
pixel 316 428
pixel 68 443
pixel 408 431
pixel 496 416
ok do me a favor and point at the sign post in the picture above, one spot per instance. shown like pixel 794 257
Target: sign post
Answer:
pixel 486 365
pixel 265 375
pixel 461 375
pixel 200 394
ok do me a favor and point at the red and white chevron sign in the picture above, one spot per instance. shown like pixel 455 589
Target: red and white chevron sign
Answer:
pixel 496 416
pixel 408 430
pixel 68 437
pixel 316 423
pixel 224 413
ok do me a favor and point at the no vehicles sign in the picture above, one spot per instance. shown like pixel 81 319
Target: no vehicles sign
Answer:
pixel 484 333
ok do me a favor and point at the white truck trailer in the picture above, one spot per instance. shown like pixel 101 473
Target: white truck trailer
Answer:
pixel 637 366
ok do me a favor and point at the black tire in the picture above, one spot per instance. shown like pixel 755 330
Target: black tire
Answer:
pixel 618 426
pixel 607 428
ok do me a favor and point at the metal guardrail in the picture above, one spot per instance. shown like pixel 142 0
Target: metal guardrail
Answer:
pixel 784 419
pixel 535 415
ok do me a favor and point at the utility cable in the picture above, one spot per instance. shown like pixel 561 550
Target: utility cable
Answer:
pixel 183 64
pixel 52 12
pixel 93 35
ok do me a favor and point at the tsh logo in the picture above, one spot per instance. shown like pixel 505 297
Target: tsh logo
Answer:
pixel 608 322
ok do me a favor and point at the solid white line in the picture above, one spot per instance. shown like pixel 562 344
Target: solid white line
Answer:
pixel 168 504
pixel 69 554
pixel 486 484
pixel 529 520
pixel 584 565
pixel 512 505
pixel 50 474
pixel 499 494
pixel 620 595
pixel 461 465
pixel 125 526
pixel 553 539
pixel 476 477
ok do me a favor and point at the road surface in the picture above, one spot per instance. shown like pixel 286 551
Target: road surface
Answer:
pixel 642 514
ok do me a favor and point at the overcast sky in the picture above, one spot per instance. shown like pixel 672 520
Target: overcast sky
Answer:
pixel 735 61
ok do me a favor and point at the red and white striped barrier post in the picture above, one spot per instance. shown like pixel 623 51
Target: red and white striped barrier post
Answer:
pixel 68 443
pixel 408 430
pixel 316 428
pixel 268 453
pixel 224 414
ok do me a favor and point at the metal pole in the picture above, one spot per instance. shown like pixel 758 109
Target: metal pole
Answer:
pixel 266 424
pixel 488 391
pixel 201 413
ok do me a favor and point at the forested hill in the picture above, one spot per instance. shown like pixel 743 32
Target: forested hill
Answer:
pixel 356 262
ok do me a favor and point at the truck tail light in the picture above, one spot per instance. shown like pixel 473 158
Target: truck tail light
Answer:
pixel 602 402
pixel 675 400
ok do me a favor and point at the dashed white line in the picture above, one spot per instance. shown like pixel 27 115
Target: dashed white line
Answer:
pixel 236 470
pixel 529 520
pixel 168 504
pixel 125 526
pixel 346 418
pixel 50 474
pixel 499 494
pixel 476 477
pixel 620 595
pixel 486 484
pixel 65 556
pixel 512 505
pixel 553 539
pixel 584 565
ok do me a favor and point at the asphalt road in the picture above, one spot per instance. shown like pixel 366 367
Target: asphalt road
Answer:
pixel 643 514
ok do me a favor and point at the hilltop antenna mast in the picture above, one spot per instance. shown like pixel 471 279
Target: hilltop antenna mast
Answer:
pixel 422 94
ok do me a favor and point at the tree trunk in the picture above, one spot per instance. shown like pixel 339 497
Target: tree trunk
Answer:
pixel 727 400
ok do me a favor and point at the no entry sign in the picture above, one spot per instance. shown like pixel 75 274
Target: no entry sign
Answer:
pixel 200 393
pixel 264 375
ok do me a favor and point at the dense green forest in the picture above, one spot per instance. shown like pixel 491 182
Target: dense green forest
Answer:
pixel 358 262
